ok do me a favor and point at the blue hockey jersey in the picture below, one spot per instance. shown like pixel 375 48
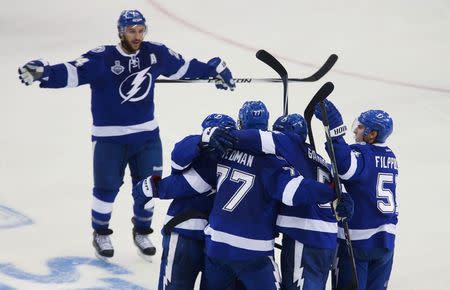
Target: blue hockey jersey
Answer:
pixel 312 225
pixel 191 184
pixel 249 190
pixel 122 86
pixel 369 173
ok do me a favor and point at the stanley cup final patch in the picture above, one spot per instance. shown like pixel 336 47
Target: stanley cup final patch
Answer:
pixel 117 68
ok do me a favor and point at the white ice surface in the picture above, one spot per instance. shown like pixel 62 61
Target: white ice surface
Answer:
pixel 394 55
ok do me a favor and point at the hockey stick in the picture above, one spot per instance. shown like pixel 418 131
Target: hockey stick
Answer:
pixel 329 63
pixel 309 111
pixel 315 77
pixel 337 188
pixel 271 61
pixel 321 95
pixel 180 218
pixel 236 80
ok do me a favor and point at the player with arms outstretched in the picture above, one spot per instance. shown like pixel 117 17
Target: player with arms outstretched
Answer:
pixel 368 170
pixel 124 131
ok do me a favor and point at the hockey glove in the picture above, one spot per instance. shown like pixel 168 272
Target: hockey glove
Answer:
pixel 337 127
pixel 34 70
pixel 343 207
pixel 223 74
pixel 145 190
pixel 217 139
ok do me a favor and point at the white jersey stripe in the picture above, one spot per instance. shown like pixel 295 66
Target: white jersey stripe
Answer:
pixel 352 169
pixel 196 181
pixel 190 224
pixel 179 167
pixel 110 131
pixel 100 206
pixel 267 144
pixel 365 234
pixel 72 75
pixel 307 224
pixel 182 71
pixel 239 242
pixel 290 189
pixel 157 168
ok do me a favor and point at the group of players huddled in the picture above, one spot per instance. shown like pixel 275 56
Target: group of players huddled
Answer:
pixel 235 186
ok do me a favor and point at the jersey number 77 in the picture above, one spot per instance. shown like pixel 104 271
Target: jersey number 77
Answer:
pixel 246 179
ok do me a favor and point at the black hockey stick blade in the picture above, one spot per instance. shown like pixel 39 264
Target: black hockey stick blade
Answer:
pixel 323 70
pixel 321 95
pixel 271 61
pixel 337 188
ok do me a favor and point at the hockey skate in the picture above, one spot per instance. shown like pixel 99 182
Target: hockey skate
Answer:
pixel 146 249
pixel 103 246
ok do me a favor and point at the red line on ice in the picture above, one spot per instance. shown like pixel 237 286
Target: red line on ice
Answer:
pixel 232 42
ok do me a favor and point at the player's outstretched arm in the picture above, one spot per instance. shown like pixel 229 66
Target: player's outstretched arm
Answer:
pixel 223 73
pixel 177 67
pixel 34 70
pixel 83 70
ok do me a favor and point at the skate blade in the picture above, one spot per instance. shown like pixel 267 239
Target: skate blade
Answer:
pixel 147 258
pixel 103 258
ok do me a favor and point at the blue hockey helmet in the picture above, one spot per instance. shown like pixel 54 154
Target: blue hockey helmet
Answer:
pixel 219 120
pixel 253 115
pixel 294 123
pixel 377 120
pixel 130 18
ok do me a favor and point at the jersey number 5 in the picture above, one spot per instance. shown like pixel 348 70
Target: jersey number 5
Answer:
pixel 238 176
pixel 385 197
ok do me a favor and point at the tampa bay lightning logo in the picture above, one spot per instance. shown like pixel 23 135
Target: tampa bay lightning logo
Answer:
pixel 136 86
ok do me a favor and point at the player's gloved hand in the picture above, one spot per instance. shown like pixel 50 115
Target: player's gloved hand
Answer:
pixel 145 190
pixel 217 139
pixel 337 127
pixel 34 70
pixel 223 74
pixel 343 207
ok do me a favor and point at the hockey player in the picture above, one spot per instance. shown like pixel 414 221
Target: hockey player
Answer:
pixel 241 231
pixel 183 248
pixel 309 231
pixel 192 184
pixel 368 169
pixel 124 131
